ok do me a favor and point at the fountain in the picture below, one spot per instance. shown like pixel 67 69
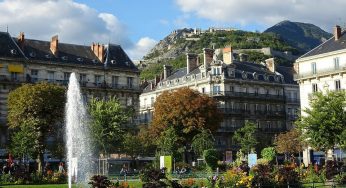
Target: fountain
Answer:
pixel 79 154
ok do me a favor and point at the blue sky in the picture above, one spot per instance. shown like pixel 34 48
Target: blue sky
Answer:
pixel 137 25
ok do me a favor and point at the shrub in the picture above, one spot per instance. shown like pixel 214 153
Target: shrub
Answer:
pixel 236 178
pixel 262 175
pixel 211 158
pixel 311 175
pixel 152 178
pixel 268 153
pixel 98 181
pixel 287 175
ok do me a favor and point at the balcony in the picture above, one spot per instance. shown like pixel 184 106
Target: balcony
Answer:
pixel 247 95
pixel 4 78
pixel 147 106
pixel 293 100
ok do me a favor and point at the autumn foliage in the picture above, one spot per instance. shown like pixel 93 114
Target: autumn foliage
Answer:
pixel 187 110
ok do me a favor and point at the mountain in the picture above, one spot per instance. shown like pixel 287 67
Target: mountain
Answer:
pixel 302 36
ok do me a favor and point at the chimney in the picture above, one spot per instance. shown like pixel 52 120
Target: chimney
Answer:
pixel 21 40
pixel 270 64
pixel 337 32
pixel 191 62
pixel 167 71
pixel 54 45
pixel 99 51
pixel 157 80
pixel 208 57
pixel 228 55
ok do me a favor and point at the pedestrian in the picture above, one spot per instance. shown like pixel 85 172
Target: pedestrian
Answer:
pixel 61 167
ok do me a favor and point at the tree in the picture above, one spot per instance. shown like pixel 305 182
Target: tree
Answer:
pixel 132 145
pixel 22 144
pixel 202 141
pixel 289 143
pixel 211 156
pixel 246 136
pixel 38 109
pixel 108 124
pixel 170 144
pixel 187 111
pixel 323 123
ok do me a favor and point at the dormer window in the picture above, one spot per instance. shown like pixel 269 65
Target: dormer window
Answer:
pixel 94 61
pixel 255 76
pixel 244 75
pixel 64 58
pixel 277 78
pixel 79 59
pixel 113 61
pixel 127 63
pixel 32 54
pixel 13 51
pixel 48 56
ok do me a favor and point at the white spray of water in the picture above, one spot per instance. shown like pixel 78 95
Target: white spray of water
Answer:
pixel 79 154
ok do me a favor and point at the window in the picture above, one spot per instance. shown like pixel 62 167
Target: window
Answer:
pixel 50 76
pixel 216 89
pixel 129 82
pixel 98 79
pixel 314 88
pixel 277 92
pixel 14 76
pixel 231 88
pixel 256 107
pixel 313 68
pixel 203 90
pixel 245 107
pixel 82 77
pixel 129 101
pixel 152 100
pixel 34 72
pixel 67 76
pixel 216 71
pixel 268 107
pixel 337 85
pixel 336 63
pixel 256 91
pixel 115 80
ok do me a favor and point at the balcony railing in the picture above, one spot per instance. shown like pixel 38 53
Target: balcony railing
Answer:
pixel 320 73
pixel 247 95
pixel 270 113
pixel 4 78
pixel 268 130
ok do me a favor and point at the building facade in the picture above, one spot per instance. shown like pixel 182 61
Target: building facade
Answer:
pixel 263 93
pixel 323 68
pixel 103 70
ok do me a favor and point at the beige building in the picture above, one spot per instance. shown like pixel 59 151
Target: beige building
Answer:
pixel 263 93
pixel 323 68
pixel 103 70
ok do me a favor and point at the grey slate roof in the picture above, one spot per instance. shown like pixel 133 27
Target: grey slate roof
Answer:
pixel 328 46
pixel 67 53
pixel 248 68
pixel 8 48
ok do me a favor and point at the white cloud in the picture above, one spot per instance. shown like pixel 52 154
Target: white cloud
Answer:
pixel 73 22
pixel 142 47
pixel 267 12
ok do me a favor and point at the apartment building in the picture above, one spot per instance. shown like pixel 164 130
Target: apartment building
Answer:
pixel 323 68
pixel 263 93
pixel 103 70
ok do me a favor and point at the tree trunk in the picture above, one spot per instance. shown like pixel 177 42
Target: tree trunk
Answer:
pixel 40 161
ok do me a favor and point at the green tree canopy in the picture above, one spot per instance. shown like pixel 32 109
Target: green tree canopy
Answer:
pixel 34 111
pixel 108 124
pixel 202 141
pixel 268 153
pixel 246 137
pixel 323 123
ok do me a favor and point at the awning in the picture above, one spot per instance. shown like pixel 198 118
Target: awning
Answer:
pixel 16 68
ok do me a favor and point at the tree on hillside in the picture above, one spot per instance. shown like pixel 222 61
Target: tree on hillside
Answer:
pixel 108 121
pixel 289 143
pixel 323 123
pixel 36 109
pixel 185 110
pixel 246 136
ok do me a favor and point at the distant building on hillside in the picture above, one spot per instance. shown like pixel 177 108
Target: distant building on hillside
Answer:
pixel 263 93
pixel 103 70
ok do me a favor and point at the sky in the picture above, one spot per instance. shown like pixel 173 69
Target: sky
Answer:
pixel 137 25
